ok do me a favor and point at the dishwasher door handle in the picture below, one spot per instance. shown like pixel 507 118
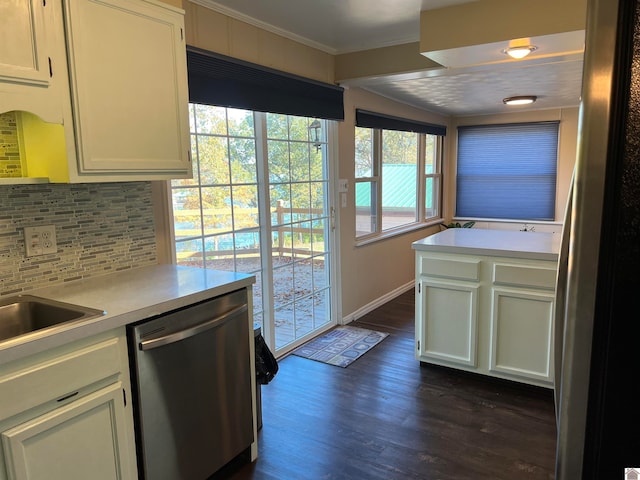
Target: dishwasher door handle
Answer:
pixel 191 331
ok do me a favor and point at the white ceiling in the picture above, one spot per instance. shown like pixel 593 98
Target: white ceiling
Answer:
pixel 344 26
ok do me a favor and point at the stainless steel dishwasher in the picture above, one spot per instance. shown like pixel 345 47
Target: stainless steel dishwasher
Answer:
pixel 192 388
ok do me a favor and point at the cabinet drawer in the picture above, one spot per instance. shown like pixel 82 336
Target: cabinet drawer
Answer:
pixel 454 269
pixel 57 377
pixel 524 276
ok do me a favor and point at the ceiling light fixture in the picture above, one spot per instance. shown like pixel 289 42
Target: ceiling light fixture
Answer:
pixel 519 51
pixel 520 100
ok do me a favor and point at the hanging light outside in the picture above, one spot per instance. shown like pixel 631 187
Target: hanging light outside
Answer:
pixel 314 134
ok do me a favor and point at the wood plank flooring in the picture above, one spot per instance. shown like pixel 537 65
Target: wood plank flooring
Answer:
pixel 387 417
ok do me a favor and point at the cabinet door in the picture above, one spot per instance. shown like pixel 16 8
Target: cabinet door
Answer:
pixel 26 51
pixel 23 57
pixel 84 439
pixel 448 322
pixel 127 63
pixel 522 334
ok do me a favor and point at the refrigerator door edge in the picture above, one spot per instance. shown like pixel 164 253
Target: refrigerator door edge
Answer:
pixel 586 222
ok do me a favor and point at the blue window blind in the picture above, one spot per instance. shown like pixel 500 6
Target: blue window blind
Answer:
pixel 507 171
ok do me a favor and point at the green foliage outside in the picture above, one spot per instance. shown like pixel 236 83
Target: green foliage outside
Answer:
pixel 225 163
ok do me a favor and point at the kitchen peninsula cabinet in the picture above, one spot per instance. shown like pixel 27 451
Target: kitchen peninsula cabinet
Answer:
pixel 64 414
pixel 485 302
pixel 108 98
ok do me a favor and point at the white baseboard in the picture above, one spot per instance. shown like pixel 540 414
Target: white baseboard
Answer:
pixel 362 311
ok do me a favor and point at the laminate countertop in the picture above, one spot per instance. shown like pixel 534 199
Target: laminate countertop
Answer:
pixel 126 297
pixel 494 243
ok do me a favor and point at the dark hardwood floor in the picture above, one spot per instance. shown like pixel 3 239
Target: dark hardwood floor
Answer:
pixel 387 417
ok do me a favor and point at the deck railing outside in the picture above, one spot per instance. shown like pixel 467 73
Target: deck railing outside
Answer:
pixel 283 226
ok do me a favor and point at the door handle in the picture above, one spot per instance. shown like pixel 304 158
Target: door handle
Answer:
pixel 191 331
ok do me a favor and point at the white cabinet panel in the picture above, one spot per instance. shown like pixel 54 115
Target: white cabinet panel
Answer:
pixel 522 333
pixel 23 57
pixel 128 81
pixel 58 376
pixel 525 275
pixel 78 441
pixel 450 322
pixel 452 268
pixel 29 57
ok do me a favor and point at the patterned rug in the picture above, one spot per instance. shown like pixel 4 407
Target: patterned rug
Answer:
pixel 340 346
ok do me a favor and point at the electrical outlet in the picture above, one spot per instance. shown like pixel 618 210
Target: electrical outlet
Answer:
pixel 40 240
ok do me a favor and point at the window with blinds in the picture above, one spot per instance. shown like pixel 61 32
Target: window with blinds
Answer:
pixel 507 171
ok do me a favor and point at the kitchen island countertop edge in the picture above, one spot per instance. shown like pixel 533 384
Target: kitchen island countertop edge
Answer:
pixel 496 243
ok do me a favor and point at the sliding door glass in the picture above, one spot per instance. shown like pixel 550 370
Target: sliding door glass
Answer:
pixel 298 186
pixel 257 204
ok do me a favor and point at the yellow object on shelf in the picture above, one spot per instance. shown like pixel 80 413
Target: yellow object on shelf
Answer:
pixel 45 149
pixel 31 150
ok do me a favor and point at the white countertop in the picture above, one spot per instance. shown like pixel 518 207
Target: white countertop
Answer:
pixel 495 243
pixel 126 297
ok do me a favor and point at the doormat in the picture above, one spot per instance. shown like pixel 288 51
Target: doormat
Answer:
pixel 340 346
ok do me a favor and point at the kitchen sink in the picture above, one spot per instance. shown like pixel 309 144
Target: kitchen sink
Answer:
pixel 22 314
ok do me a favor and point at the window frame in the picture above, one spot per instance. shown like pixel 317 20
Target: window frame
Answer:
pixel 421 220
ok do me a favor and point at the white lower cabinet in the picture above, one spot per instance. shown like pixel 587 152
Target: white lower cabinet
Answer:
pixel 490 315
pixel 522 334
pixel 64 413
pixel 80 440
pixel 450 337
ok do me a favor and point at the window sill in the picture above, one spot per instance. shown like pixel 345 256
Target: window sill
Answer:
pixel 361 242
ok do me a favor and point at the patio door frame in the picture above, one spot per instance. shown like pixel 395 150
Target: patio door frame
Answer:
pixel 165 235
pixel 329 156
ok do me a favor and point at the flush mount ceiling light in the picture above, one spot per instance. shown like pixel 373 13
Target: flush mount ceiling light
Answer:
pixel 520 100
pixel 520 51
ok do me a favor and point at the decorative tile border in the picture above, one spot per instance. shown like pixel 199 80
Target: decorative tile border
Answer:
pixel 100 228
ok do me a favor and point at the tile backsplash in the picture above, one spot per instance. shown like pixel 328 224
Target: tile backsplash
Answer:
pixel 100 228
pixel 10 163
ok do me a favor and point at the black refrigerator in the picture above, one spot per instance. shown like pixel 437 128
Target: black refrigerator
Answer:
pixel 598 291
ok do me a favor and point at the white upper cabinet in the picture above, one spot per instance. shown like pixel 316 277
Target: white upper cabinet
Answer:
pixel 101 87
pixel 127 70
pixel 27 54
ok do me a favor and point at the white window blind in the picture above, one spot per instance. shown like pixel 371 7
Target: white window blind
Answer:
pixel 507 171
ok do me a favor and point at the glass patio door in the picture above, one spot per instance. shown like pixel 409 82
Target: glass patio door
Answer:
pixel 259 204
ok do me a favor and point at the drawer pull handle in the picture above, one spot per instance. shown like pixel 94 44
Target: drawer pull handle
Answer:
pixel 67 397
